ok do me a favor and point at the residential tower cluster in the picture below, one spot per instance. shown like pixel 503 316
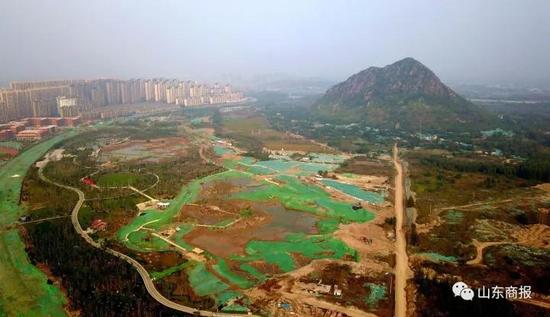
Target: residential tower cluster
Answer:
pixel 68 98
pixel 30 110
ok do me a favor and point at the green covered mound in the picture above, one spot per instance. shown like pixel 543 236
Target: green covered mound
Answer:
pixel 24 290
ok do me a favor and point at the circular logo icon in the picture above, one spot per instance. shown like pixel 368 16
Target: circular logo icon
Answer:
pixel 467 294
pixel 458 287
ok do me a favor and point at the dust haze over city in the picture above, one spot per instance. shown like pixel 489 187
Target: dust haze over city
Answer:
pixel 485 41
pixel 275 158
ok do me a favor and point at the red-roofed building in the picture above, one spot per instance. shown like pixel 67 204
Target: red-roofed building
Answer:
pixel 17 127
pixel 88 181
pixel 31 135
pixel 98 225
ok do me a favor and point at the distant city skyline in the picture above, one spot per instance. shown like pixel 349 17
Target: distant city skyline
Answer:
pixel 71 98
pixel 489 41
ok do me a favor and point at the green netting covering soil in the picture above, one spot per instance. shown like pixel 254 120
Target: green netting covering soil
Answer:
pixel 224 298
pixel 169 271
pixel 24 290
pixel 223 269
pixel 286 167
pixel 436 257
pixel 11 144
pixel 328 225
pixel 220 150
pixel 143 241
pixel 258 170
pixel 280 252
pixel 453 217
pixel 376 294
pixel 203 282
pixel 227 295
pixel 197 121
pixel 158 218
pixel 299 196
pixel 178 236
pixel 352 190
pixel 235 309
pixel 253 272
pixel 349 175
pixel 292 193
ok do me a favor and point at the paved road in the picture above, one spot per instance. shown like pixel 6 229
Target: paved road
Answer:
pixel 402 271
pixel 147 281
pixel 142 193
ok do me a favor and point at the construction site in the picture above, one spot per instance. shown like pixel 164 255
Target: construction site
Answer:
pixel 242 235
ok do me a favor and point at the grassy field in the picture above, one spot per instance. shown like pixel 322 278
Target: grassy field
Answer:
pixel 118 179
pixel 24 290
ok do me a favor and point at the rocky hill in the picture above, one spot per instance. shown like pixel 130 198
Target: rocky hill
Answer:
pixel 405 94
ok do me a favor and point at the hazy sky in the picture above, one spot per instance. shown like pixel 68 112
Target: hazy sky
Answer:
pixel 461 40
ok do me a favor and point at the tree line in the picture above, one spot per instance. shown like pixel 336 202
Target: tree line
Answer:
pixel 536 169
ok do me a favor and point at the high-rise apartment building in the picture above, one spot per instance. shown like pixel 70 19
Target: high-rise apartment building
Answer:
pixel 68 107
pixel 40 99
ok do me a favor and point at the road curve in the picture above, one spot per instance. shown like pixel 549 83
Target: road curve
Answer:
pixel 480 246
pixel 147 281
pixel 402 271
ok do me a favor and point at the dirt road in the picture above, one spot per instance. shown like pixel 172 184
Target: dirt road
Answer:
pixel 348 311
pixel 147 281
pixel 479 250
pixel 402 271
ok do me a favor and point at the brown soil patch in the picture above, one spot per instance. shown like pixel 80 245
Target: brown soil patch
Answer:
pixel 266 268
pixel 228 241
pixel 536 236
pixel 544 187
pixel 365 166
pixel 217 188
pixel 369 238
pixel 359 237
pixel 176 287
pixel 351 283
pixel 367 182
pixel 300 260
pixel 202 214
pixel 158 261
pixel 161 148
pixel 268 222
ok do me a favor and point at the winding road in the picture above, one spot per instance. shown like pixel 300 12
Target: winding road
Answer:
pixel 402 271
pixel 147 281
pixel 480 246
